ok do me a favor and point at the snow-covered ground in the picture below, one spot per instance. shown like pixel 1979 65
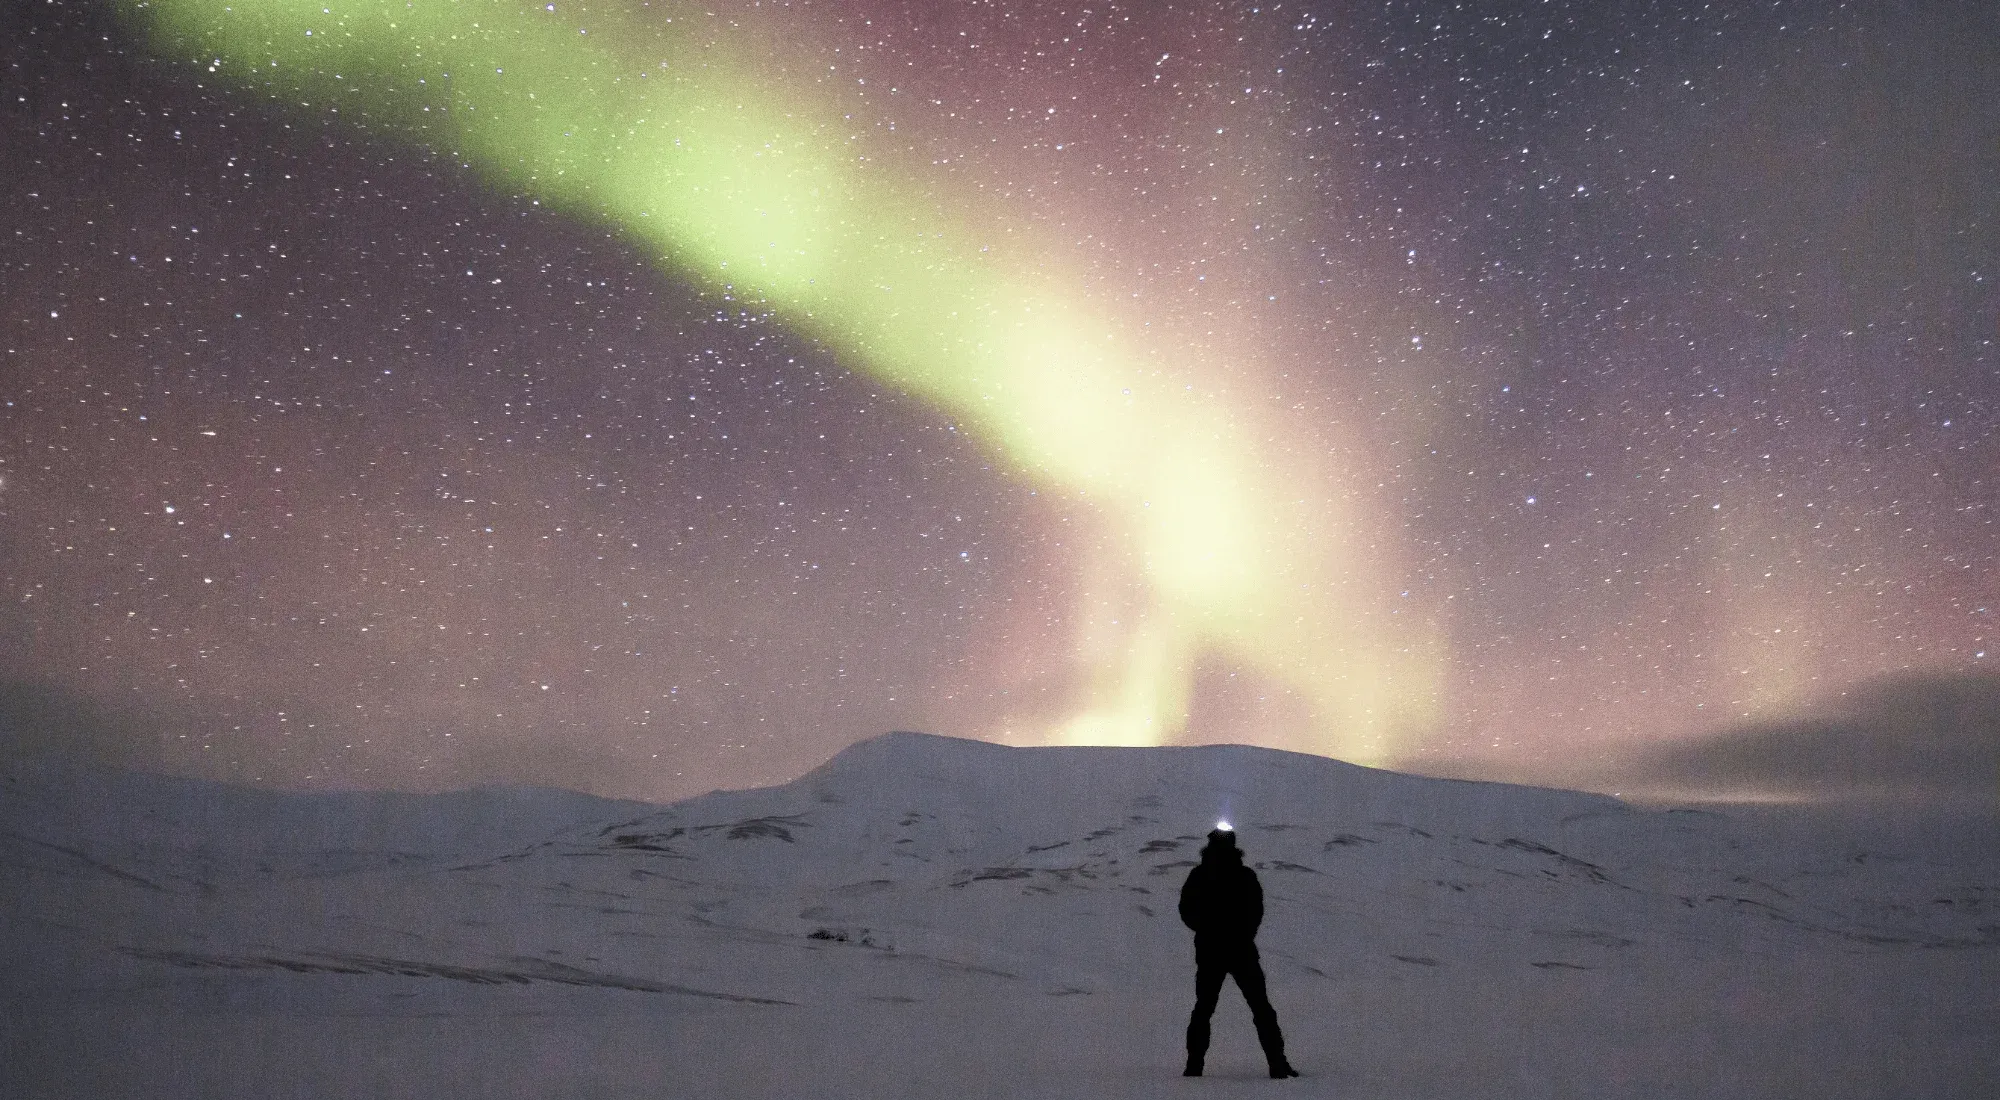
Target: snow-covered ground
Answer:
pixel 925 917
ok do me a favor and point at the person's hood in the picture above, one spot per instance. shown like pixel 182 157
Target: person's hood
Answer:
pixel 1221 851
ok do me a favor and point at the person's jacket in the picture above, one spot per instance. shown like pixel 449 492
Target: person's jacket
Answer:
pixel 1222 899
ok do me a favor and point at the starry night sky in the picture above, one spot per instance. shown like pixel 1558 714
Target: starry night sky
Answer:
pixel 1647 348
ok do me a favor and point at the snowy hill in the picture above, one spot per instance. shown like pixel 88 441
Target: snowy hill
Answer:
pixel 923 916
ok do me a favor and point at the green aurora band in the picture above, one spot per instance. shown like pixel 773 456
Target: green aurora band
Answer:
pixel 646 121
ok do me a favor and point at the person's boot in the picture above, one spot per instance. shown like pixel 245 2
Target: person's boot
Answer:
pixel 1273 1042
pixel 1197 1044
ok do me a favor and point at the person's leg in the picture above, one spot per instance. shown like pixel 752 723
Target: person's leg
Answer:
pixel 1249 977
pixel 1208 975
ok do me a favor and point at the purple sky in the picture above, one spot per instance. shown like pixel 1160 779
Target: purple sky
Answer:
pixel 1659 342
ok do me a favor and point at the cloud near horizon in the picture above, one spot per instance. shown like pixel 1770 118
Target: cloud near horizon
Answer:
pixel 1930 738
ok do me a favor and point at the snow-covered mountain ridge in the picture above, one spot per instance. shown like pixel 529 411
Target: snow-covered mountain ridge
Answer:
pixel 954 907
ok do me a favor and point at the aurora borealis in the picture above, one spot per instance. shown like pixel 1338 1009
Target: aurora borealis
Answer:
pixel 649 397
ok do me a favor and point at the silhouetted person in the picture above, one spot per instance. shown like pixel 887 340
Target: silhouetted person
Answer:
pixel 1223 902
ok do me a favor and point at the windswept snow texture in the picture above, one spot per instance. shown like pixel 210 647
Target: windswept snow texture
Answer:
pixel 924 917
